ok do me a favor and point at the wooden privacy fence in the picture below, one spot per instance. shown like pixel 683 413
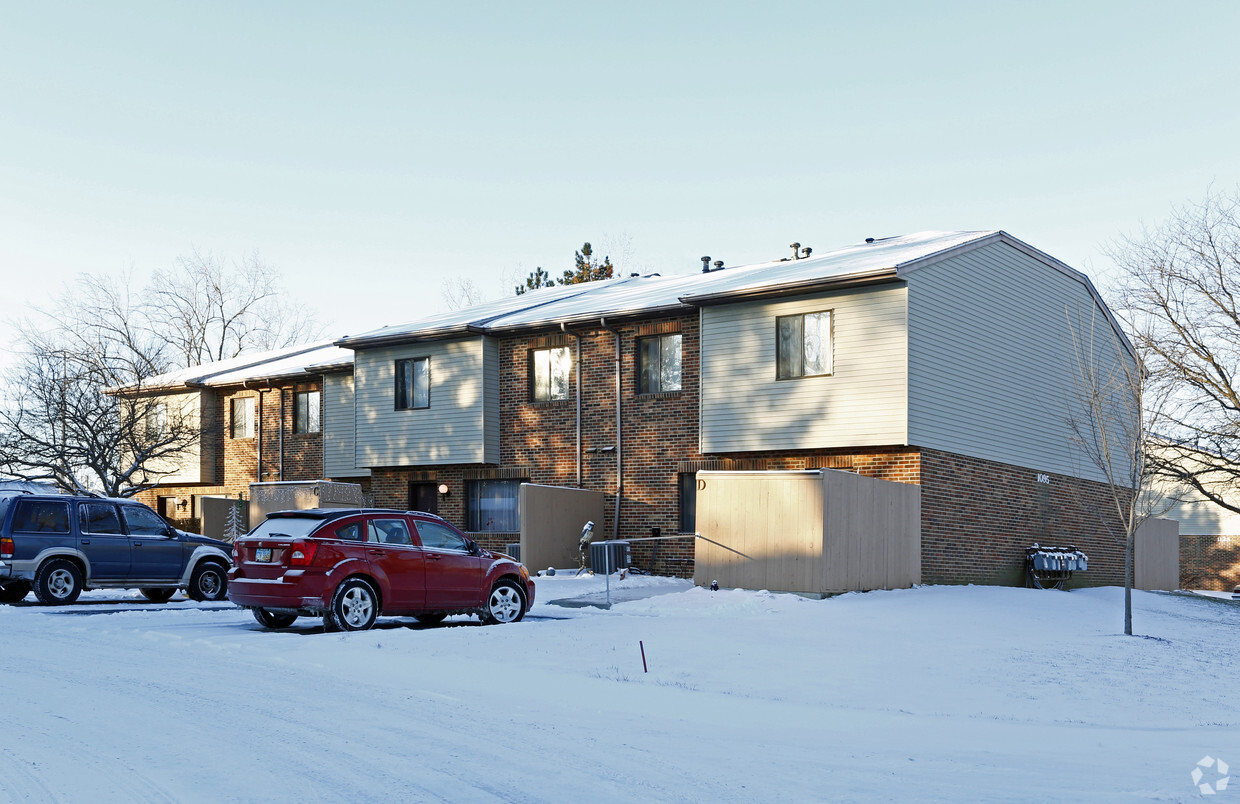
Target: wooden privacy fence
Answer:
pixel 815 532
pixel 1156 555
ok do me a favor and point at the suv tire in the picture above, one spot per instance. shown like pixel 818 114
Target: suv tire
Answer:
pixel 505 604
pixel 273 619
pixel 58 581
pixel 208 581
pixel 354 607
pixel 14 591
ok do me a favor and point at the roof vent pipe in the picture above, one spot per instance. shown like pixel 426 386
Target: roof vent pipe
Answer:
pixel 706 265
pixel 796 250
pixel 718 265
pixel 869 240
pixel 808 251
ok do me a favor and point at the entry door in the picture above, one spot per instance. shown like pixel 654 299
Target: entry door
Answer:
pixel 424 497
pixel 453 576
pixel 103 541
pixel 155 550
pixel 397 561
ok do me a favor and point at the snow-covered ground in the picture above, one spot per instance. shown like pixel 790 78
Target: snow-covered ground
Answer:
pixel 935 693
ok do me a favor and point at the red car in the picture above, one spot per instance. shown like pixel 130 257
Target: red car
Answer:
pixel 349 566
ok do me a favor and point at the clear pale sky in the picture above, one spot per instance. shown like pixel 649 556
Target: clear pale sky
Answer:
pixel 372 150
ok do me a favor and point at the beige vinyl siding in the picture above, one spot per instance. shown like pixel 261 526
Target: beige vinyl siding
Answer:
pixel 454 429
pixel 862 403
pixel 194 410
pixel 991 368
pixel 339 436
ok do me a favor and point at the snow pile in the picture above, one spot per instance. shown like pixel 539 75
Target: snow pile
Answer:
pixel 958 693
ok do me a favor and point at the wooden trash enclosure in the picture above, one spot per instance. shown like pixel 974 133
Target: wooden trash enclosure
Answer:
pixel 815 532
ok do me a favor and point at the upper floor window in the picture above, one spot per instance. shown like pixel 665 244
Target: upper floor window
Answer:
pixel 156 420
pixel 551 370
pixel 803 345
pixel 658 364
pixel 413 383
pixel 243 417
pixel 306 412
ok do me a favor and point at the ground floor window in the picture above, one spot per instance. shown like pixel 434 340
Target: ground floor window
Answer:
pixel 491 505
pixel 688 502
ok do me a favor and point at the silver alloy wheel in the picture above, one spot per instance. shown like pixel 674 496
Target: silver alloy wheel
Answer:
pixel 209 584
pixel 61 583
pixel 505 604
pixel 357 605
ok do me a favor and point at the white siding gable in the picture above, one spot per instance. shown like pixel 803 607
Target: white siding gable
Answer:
pixel 460 426
pixel 862 403
pixel 991 367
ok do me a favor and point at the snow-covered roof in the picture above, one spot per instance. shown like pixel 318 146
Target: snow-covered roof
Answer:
pixel 290 361
pixel 654 293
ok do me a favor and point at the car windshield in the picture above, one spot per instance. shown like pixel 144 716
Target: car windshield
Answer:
pixel 285 526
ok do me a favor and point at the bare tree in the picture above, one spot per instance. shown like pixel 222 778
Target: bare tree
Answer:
pixel 1181 296
pixel 1108 420
pixel 209 311
pixel 79 408
pixel 59 423
pixel 459 292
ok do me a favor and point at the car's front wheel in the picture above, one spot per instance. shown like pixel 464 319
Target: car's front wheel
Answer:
pixel 156 595
pixel 58 581
pixel 354 607
pixel 208 581
pixel 14 591
pixel 274 619
pixel 506 604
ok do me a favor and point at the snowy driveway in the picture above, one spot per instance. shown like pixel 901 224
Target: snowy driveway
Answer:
pixel 937 693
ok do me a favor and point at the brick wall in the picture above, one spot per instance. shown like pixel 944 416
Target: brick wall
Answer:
pixel 1209 562
pixel 977 518
pixel 286 455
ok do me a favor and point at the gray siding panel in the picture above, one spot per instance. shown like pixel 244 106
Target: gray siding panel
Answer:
pixel 863 403
pixel 452 430
pixel 991 367
pixel 338 427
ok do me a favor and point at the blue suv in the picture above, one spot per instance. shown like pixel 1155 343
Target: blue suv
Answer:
pixel 59 545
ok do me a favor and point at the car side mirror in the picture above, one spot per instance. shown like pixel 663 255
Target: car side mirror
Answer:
pixel 474 548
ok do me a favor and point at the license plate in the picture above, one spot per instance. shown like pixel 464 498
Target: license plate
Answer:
pixel 262 554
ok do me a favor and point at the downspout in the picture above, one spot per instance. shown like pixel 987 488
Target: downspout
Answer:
pixel 258 427
pixel 280 474
pixel 577 364
pixel 615 534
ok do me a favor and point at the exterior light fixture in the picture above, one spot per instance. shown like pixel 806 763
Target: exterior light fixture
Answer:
pixel 444 491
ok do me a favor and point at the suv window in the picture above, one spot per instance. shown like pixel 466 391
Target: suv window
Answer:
pixel 41 516
pixel 389 531
pixel 98 518
pixel 285 527
pixel 351 532
pixel 441 537
pixel 143 521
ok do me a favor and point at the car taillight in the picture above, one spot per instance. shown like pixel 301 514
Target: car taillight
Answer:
pixel 300 554
pixel 6 547
pixel 236 553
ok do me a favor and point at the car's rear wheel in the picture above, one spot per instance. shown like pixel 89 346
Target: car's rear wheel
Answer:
pixel 354 607
pixel 506 604
pixel 274 619
pixel 158 595
pixel 434 618
pixel 58 581
pixel 14 591
pixel 208 581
